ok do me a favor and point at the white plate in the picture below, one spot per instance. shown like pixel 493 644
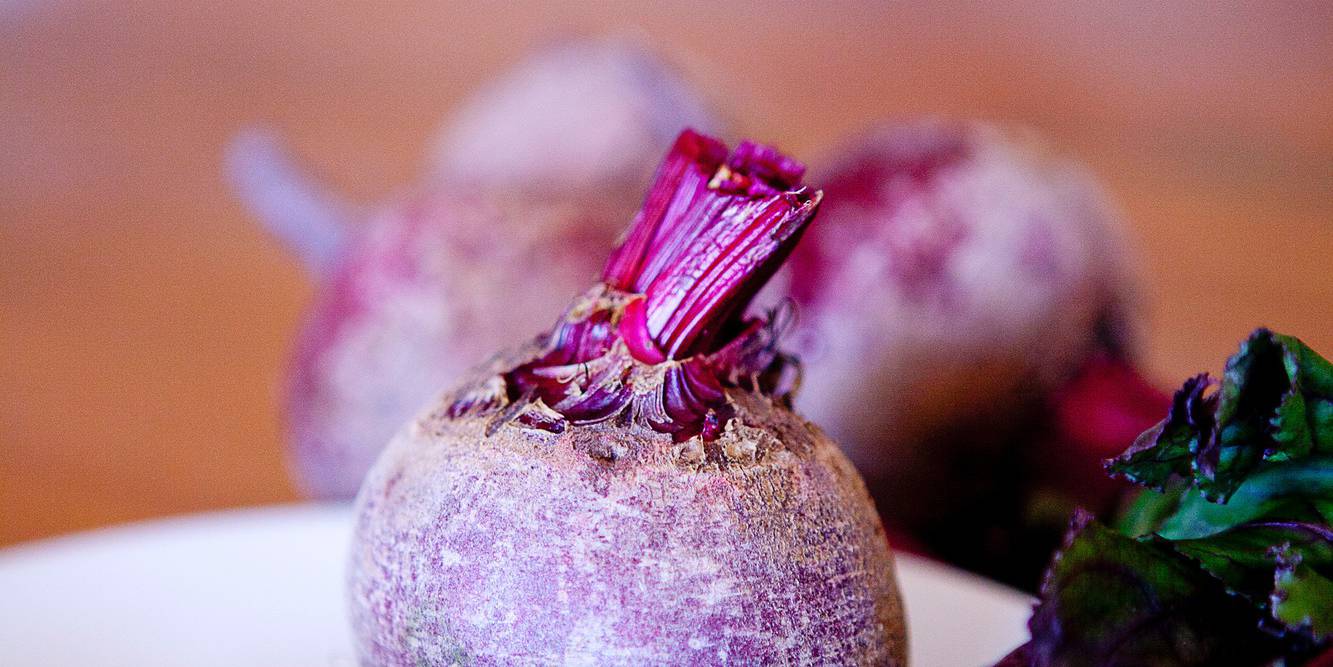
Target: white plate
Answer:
pixel 264 587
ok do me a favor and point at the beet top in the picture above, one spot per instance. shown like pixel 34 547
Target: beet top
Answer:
pixel 663 335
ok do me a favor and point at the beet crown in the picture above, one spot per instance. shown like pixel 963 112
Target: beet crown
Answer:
pixel 665 333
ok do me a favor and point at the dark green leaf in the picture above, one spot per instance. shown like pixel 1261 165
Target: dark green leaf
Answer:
pixel 1314 375
pixel 1283 505
pixel 1167 450
pixel 1298 491
pixel 1264 411
pixel 1321 418
pixel 1112 600
pixel 1275 404
pixel 1244 558
pixel 1148 510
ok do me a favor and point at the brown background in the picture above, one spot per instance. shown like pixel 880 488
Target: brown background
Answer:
pixel 144 321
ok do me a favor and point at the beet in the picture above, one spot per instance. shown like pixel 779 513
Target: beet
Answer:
pixel 411 306
pixel 962 277
pixel 967 268
pixel 632 487
pixel 585 116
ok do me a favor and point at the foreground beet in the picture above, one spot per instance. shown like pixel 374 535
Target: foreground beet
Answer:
pixel 631 488
pixel 405 299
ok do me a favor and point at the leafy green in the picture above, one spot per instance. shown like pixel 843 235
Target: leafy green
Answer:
pixel 1227 556
pixel 1275 404
pixel 1112 600
pixel 1167 450
pixel 1291 491
pixel 1147 511
pixel 1282 507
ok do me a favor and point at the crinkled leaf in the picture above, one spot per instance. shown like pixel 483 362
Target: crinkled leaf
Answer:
pixel 1275 404
pixel 1269 408
pixel 1314 374
pixel 1301 597
pixel 1244 558
pixel 1167 450
pixel 1261 414
pixel 1283 505
pixel 1112 600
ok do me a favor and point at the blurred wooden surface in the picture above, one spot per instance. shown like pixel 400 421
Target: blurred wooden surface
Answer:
pixel 144 321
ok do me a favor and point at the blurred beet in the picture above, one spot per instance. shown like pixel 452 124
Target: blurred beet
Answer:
pixel 412 304
pixel 404 299
pixel 543 168
pixel 588 117
pixel 960 277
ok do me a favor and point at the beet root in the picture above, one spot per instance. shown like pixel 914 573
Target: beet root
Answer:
pixel 590 547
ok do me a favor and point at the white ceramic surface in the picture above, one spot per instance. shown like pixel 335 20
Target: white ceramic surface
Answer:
pixel 264 587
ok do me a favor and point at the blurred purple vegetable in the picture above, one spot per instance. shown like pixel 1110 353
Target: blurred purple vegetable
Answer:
pixel 584 119
pixel 538 174
pixel 963 278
